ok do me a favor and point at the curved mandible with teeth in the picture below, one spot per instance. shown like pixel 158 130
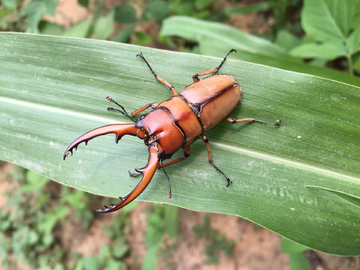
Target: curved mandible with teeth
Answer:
pixel 119 129
pixel 147 172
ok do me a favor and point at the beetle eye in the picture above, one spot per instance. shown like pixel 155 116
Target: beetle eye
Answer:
pixel 141 117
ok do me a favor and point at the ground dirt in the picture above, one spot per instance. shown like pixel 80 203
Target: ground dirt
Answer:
pixel 255 248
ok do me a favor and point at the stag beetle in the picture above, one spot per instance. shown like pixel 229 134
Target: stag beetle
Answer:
pixel 175 123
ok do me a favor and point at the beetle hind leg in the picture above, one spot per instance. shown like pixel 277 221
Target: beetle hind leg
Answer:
pixel 243 120
pixel 214 70
pixel 204 138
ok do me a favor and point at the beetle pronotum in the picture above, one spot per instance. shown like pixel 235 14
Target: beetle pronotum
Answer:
pixel 175 124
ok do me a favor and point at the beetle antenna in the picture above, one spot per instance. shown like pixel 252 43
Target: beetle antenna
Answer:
pixel 167 177
pixel 122 111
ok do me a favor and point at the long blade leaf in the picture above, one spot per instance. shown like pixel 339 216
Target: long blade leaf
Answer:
pixel 52 90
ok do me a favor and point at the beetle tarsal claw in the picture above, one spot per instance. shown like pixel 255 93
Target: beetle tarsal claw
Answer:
pixel 135 174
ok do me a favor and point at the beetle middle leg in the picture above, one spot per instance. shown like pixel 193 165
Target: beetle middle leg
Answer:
pixel 204 138
pixel 172 89
pixel 196 76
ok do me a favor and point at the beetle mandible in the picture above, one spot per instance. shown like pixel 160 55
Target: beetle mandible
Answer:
pixel 175 124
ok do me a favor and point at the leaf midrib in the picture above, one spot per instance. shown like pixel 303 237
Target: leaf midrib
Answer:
pixel 243 151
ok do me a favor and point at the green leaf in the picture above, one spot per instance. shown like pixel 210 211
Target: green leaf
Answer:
pixel 48 28
pixel 346 196
pixel 125 14
pixel 36 9
pixel 286 40
pixel 298 262
pixel 262 6
pixel 218 34
pixel 171 216
pixel 353 41
pixel 81 29
pixel 357 65
pixel 104 26
pixel 156 10
pixel 325 50
pixel 84 3
pixel 150 260
pixel 10 4
pixel 35 182
pixel 216 39
pixel 114 264
pixel 328 20
pixel 290 247
pixel 124 35
pixel 201 4
pixel 53 89
pixel 184 9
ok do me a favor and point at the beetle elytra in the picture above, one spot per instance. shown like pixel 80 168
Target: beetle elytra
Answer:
pixel 175 124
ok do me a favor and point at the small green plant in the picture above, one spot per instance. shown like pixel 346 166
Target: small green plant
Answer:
pixel 27 229
pixel 331 32
pixel 13 16
pixel 162 221
pixel 101 24
pixel 215 242
pixel 295 251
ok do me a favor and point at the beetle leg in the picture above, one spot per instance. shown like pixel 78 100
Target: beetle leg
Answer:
pixel 232 120
pixel 119 130
pixel 152 105
pixel 167 177
pixel 186 151
pixel 196 76
pixel 134 174
pixel 172 89
pixel 133 114
pixel 204 138
pixel 162 165
pixel 147 172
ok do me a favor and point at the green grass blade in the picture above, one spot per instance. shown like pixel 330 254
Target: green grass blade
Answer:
pixel 52 90
pixel 215 39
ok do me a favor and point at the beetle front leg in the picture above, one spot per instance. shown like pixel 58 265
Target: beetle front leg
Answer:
pixel 124 112
pixel 243 120
pixel 152 105
pixel 204 138
pixel 196 76
pixel 186 151
pixel 172 89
